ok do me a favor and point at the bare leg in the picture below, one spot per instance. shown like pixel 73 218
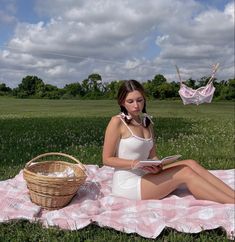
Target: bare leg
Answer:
pixel 205 174
pixel 157 186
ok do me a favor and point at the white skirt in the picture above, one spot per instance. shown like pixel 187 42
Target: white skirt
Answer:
pixel 127 183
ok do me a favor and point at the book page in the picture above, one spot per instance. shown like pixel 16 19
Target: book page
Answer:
pixel 164 161
pixel 170 159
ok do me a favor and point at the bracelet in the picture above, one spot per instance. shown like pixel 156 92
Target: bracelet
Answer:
pixel 132 164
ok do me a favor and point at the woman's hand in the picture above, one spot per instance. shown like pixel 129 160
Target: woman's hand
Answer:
pixel 134 164
pixel 153 169
pixel 150 168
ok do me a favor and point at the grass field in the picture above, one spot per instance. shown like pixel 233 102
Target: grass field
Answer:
pixel 32 127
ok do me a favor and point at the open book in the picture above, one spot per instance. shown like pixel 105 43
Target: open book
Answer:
pixel 164 161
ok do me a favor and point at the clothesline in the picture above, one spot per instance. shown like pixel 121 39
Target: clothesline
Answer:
pixel 89 58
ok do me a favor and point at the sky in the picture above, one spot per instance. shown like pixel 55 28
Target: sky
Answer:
pixel 64 41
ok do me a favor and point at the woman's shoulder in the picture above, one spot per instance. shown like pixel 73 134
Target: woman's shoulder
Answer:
pixel 116 119
pixel 114 126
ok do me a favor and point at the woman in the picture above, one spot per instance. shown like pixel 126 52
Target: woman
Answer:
pixel 129 138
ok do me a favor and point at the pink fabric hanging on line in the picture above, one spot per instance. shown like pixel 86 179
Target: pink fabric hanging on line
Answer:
pixel 200 95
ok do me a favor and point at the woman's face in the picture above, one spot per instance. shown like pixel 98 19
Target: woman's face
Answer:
pixel 134 103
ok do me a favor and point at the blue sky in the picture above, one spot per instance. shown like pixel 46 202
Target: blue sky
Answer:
pixel 65 41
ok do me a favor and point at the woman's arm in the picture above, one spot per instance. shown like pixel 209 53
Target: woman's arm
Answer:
pixel 112 137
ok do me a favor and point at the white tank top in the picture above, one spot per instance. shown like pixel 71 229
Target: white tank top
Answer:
pixel 134 147
pixel 127 182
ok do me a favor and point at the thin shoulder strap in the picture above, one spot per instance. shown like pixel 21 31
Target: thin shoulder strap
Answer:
pixel 214 69
pixel 126 125
pixel 178 72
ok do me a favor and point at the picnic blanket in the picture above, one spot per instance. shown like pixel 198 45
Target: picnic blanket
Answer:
pixel 94 203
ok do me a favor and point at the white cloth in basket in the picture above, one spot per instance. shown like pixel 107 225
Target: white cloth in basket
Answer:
pixel 68 172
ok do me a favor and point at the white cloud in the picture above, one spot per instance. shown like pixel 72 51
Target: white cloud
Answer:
pixel 111 38
pixel 6 18
pixel 208 39
pixel 229 10
pixel 7 12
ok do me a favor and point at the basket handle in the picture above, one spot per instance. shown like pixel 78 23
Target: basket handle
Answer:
pixel 59 154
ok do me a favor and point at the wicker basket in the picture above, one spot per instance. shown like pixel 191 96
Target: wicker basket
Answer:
pixel 53 192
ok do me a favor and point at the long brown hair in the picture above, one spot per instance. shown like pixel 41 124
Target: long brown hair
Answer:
pixel 125 88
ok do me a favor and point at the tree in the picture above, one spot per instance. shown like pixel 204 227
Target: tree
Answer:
pixel 191 83
pixel 150 89
pixel 166 90
pixel 218 88
pixel 228 90
pixel 176 87
pixel 53 92
pixel 203 81
pixel 112 89
pixel 4 90
pixel 158 79
pixel 95 82
pixel 30 85
pixel 152 86
pixel 85 86
pixel 93 86
pixel 74 89
pixel 231 85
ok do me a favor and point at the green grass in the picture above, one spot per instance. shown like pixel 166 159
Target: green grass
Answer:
pixel 32 127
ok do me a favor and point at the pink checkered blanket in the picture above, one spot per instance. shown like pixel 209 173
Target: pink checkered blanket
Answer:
pixel 95 203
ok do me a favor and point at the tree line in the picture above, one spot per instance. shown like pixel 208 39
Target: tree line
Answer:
pixel 94 88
